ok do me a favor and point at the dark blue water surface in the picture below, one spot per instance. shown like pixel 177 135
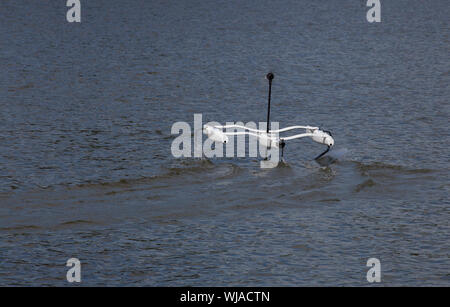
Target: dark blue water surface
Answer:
pixel 86 169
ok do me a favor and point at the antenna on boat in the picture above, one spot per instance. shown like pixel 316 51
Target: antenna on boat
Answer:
pixel 269 77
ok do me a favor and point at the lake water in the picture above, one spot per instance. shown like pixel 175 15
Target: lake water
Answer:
pixel 86 169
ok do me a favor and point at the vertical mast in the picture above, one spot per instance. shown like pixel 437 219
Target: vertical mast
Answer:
pixel 269 77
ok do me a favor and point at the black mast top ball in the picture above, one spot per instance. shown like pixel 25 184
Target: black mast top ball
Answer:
pixel 269 77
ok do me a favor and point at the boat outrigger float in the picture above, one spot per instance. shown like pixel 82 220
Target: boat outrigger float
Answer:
pixel 269 137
